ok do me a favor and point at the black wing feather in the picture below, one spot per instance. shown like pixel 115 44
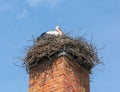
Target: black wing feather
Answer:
pixel 43 33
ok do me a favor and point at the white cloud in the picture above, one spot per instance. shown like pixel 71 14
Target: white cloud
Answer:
pixel 5 6
pixel 37 3
pixel 53 2
pixel 23 14
pixel 34 3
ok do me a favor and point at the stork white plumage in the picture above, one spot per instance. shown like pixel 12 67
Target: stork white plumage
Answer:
pixel 57 32
pixel 58 29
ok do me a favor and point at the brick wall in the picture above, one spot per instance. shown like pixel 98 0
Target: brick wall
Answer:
pixel 62 75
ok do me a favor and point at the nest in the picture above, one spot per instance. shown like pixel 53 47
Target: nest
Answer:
pixel 50 47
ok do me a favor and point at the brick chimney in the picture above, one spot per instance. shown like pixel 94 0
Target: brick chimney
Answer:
pixel 62 75
pixel 60 64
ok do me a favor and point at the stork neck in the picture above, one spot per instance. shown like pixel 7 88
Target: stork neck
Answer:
pixel 60 32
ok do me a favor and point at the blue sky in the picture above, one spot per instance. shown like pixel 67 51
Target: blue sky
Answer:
pixel 20 19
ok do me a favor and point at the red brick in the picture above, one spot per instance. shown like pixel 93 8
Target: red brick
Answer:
pixel 63 76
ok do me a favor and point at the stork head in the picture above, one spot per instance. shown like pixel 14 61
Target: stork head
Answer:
pixel 59 30
pixel 57 27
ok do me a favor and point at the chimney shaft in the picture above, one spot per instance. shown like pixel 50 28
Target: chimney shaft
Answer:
pixel 61 75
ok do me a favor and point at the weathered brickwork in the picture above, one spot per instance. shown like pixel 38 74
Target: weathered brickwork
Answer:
pixel 63 75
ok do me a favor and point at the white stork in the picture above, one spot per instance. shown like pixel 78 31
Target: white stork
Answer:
pixel 58 32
